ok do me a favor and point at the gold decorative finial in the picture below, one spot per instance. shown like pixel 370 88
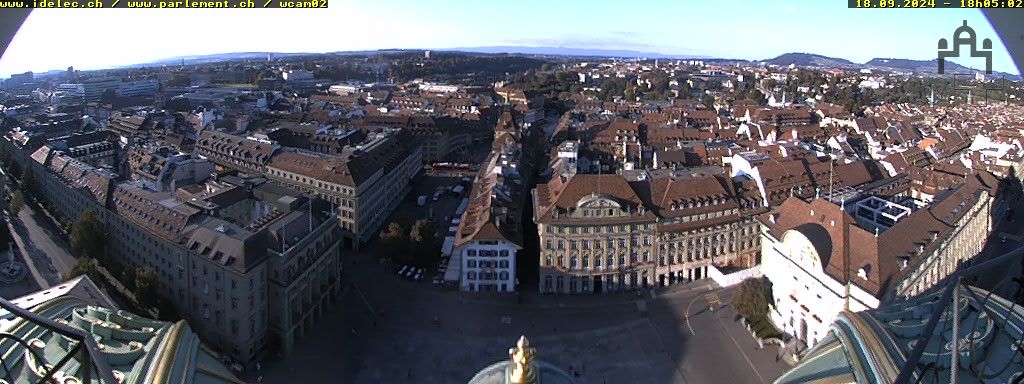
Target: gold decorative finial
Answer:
pixel 522 357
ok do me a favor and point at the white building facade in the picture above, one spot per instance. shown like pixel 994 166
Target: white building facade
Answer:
pixel 488 266
pixel 807 300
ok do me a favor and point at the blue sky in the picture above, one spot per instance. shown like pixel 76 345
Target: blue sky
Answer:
pixel 748 29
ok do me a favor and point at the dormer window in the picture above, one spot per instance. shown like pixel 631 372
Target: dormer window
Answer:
pixel 864 271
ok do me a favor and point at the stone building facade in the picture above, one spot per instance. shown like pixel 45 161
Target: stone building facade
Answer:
pixel 606 232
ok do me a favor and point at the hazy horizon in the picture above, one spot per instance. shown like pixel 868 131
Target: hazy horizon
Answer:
pixel 53 39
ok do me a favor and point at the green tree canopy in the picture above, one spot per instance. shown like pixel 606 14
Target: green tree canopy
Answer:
pixel 28 181
pixel 146 287
pixel 88 236
pixel 395 240
pixel 753 298
pixel 85 266
pixel 423 237
pixel 108 96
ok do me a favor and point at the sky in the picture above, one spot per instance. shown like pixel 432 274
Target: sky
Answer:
pixel 745 29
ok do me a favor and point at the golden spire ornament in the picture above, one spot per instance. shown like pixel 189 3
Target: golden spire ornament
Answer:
pixel 523 371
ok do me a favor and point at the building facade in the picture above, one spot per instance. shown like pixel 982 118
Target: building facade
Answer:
pixel 824 258
pixel 605 233
pixel 365 183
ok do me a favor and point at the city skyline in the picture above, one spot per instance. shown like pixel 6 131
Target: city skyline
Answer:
pixel 752 31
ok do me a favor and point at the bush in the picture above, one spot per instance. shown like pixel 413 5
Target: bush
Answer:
pixel 764 329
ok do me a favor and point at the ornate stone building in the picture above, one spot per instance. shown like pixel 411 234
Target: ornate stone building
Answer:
pixel 613 232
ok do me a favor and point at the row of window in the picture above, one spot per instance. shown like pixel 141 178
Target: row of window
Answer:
pixel 487 264
pixel 550 244
pixel 487 275
pixel 608 260
pixel 487 252
pixel 576 230
pixel 702 216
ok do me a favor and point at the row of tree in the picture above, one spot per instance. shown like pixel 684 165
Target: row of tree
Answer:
pixel 88 240
pixel 416 246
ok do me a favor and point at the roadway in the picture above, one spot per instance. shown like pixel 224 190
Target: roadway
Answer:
pixel 43 245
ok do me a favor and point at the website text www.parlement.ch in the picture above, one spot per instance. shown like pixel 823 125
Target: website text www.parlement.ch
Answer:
pixel 163 4
pixel 128 4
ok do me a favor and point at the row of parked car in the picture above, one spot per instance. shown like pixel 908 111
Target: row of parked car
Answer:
pixel 411 273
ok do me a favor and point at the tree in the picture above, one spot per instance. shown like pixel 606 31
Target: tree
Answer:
pixel 395 240
pixel 88 236
pixel 753 298
pixel 28 181
pixel 17 203
pixel 179 80
pixel 424 241
pixel 109 96
pixel 128 277
pixel 146 287
pixel 13 168
pixel 85 266
pixel 708 101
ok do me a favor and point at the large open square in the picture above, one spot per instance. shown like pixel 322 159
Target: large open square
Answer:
pixel 383 330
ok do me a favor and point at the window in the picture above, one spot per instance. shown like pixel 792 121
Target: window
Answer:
pixel 471 263
pixel 503 252
pixel 471 275
pixel 503 264
pixel 471 252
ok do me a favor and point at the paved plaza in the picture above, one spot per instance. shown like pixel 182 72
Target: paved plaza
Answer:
pixel 383 330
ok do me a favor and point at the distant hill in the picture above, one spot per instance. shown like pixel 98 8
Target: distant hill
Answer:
pixel 799 59
pixel 812 60
pixel 926 67
pixel 212 58
pixel 916 67
pixel 565 51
